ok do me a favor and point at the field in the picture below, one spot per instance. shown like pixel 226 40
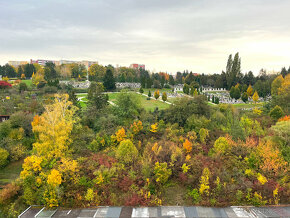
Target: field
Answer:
pixel 148 105
pixel 10 172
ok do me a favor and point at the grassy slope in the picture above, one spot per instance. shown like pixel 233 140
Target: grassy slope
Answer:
pixel 148 105
pixel 10 172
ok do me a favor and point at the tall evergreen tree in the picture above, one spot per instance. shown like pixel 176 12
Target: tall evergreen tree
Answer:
pixel 171 80
pixel 109 81
pixel 29 69
pixel 9 71
pixel 283 71
pixel 50 73
pixel 233 70
pixel 19 71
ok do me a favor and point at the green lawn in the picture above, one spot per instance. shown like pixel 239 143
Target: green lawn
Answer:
pixel 28 82
pixel 10 172
pixel 81 95
pixel 247 105
pixel 113 96
pixel 149 105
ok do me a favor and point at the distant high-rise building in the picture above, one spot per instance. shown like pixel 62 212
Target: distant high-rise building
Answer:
pixel 60 62
pixel 88 63
pixel 42 62
pixel 137 66
pixel 17 63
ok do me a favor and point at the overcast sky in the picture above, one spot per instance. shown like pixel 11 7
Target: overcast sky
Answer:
pixel 165 35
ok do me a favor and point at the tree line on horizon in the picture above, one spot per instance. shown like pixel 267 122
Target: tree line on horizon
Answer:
pixel 227 79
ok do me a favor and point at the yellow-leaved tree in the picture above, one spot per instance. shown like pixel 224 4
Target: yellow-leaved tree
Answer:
pixel 250 91
pixel 50 165
pixel 255 97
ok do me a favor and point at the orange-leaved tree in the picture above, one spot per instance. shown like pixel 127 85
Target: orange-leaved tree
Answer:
pixel 187 145
pixel 156 94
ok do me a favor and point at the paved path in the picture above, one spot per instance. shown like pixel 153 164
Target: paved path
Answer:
pixel 160 212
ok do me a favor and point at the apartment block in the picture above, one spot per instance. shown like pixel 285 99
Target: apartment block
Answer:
pixel 137 66
pixel 17 63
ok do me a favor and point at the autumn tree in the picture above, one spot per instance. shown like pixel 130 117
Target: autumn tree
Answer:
pixel 162 173
pixel 164 96
pixel 276 85
pixel 50 166
pixel 271 160
pixel 250 91
pixel 281 92
pixel 96 72
pixel 127 152
pixel 255 97
pixel 187 145
pixel 38 77
pixel 156 94
pixel 204 182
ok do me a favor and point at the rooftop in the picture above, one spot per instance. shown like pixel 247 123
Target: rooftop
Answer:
pixel 162 212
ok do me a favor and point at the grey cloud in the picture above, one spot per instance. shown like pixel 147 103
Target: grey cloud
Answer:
pixel 125 31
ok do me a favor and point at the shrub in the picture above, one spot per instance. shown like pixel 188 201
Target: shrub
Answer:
pixel 17 152
pixel 262 179
pixel 5 85
pixel 239 196
pixel 50 89
pixel 127 152
pixel 3 157
pixel 149 94
pixel 203 134
pixel 41 84
pixel 276 113
pixel 167 86
pixel 194 194
pixel 23 87
pixel 161 172
pixel 221 145
pixel 245 97
pixel 8 192
pixel 204 182
pixel 90 195
pixel 141 90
